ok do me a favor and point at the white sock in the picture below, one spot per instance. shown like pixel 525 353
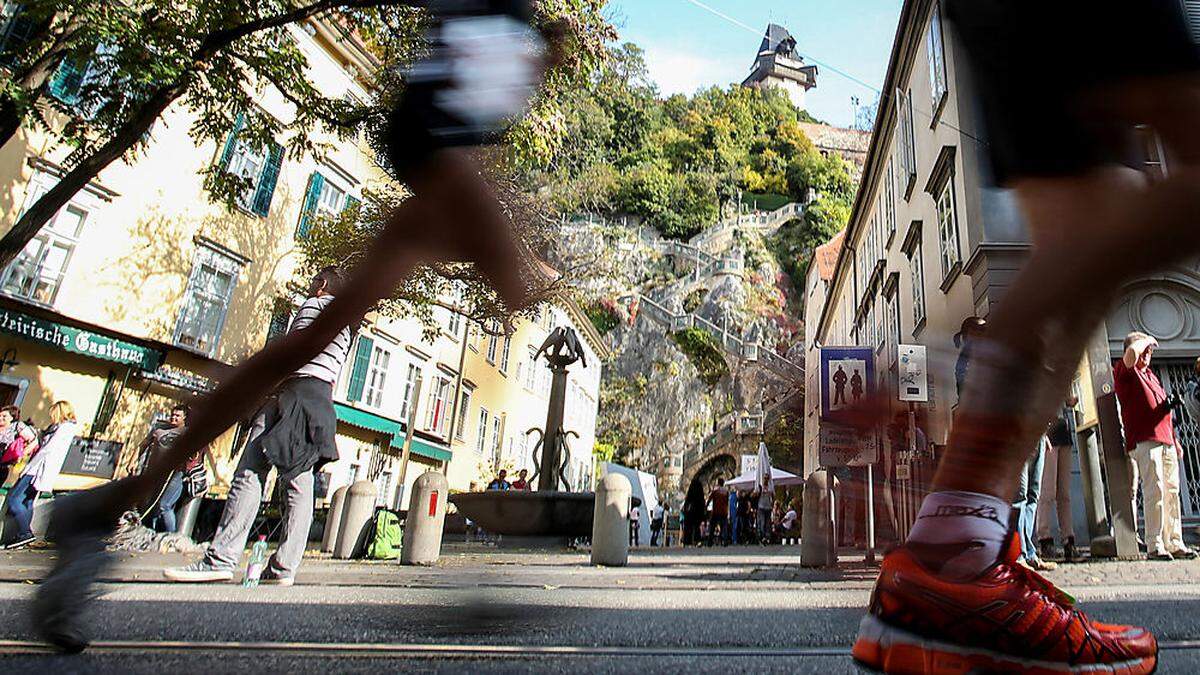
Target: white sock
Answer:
pixel 960 534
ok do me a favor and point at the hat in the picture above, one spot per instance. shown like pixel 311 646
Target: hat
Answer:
pixel 967 324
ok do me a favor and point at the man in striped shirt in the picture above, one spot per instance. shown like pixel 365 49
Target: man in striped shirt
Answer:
pixel 294 433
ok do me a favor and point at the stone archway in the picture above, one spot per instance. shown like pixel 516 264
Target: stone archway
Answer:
pixel 1167 307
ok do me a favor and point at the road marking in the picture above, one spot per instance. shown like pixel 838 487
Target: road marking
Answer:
pixel 451 650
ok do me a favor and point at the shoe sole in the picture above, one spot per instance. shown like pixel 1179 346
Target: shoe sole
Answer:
pixel 198 577
pixel 887 649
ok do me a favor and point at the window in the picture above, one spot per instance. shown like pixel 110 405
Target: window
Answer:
pixel 377 376
pixel 439 406
pixel 464 404
pixel 16 29
pixel 889 202
pixel 531 370
pixel 260 166
pixel 453 323
pixel 321 198
pixel 481 438
pixel 493 341
pixel 937 62
pixel 206 300
pixel 916 268
pixel 38 271
pixel 497 438
pixel 410 389
pixel 907 145
pixel 504 354
pixel 363 349
pixel 281 319
pixel 947 227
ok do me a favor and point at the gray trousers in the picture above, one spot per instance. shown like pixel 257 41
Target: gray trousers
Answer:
pixel 241 507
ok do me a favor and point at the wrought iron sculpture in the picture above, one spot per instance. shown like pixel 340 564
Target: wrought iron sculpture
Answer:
pixel 562 349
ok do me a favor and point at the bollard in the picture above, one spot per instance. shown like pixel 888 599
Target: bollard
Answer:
pixel 333 519
pixel 188 515
pixel 610 521
pixel 814 521
pixel 426 518
pixel 357 509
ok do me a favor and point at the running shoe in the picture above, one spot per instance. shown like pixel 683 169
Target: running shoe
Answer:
pixel 1008 619
pixel 199 572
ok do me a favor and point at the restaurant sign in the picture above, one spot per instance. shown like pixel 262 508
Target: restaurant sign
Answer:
pixel 78 341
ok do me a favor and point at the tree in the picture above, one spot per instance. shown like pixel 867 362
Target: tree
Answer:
pixel 127 63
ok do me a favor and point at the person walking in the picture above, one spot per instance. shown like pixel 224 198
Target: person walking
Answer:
pixel 766 503
pixel 1152 447
pixel 657 519
pixel 1056 484
pixel 17 440
pixel 293 433
pixel 635 525
pixel 1025 505
pixel 162 516
pixel 718 500
pixel 42 470
pixel 734 505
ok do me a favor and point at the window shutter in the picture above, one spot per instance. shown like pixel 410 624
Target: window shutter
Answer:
pixel 68 80
pixel 266 181
pixel 1191 13
pixel 316 182
pixel 358 376
pixel 231 141
pixel 351 203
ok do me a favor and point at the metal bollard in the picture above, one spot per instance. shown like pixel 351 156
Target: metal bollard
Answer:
pixel 814 522
pixel 357 509
pixel 333 519
pixel 188 515
pixel 610 521
pixel 426 518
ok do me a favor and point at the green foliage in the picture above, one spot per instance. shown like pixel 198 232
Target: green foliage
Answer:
pixel 675 162
pixel 704 352
pixel 602 317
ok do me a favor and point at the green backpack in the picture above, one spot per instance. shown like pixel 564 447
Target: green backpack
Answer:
pixel 385 545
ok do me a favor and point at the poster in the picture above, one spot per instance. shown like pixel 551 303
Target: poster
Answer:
pixel 913 374
pixel 847 377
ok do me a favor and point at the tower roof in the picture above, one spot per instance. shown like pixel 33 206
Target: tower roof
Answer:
pixel 779 41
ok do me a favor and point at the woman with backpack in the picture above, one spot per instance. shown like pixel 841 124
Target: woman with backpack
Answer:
pixel 42 470
pixel 17 440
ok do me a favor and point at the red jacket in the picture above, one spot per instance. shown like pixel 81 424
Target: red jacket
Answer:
pixel 1145 410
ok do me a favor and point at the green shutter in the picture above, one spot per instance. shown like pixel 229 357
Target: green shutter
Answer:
pixel 358 376
pixel 351 203
pixel 267 180
pixel 231 142
pixel 68 80
pixel 316 183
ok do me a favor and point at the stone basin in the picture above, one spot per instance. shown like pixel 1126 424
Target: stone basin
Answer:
pixel 521 513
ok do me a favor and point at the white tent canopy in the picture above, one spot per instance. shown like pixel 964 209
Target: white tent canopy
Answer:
pixel 749 480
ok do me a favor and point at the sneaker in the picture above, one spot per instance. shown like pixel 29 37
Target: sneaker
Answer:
pixel 22 542
pixel 1007 619
pixel 1185 554
pixel 199 571
pixel 272 578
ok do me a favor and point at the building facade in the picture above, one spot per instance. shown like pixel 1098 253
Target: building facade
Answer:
pixel 931 241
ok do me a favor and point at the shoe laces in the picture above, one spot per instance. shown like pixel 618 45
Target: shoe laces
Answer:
pixel 1043 586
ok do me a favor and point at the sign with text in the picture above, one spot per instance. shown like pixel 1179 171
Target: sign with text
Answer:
pixel 92 457
pixel 913 374
pixel 78 341
pixel 749 464
pixel 847 376
pixel 845 446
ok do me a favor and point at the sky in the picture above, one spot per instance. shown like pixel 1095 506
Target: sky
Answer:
pixel 688 47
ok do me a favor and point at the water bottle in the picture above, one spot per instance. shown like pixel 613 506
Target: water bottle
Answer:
pixel 258 561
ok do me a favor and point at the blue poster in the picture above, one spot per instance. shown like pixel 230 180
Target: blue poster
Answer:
pixel 847 376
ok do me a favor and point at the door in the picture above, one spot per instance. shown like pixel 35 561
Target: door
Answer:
pixel 1174 375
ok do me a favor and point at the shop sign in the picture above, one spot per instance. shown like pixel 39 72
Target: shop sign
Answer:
pixel 92 457
pixel 78 341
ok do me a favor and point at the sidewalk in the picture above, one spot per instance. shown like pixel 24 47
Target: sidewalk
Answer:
pixel 733 568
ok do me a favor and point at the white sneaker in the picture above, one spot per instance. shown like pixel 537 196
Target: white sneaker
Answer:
pixel 199 571
pixel 270 578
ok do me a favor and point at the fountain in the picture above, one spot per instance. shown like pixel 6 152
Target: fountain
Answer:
pixel 553 513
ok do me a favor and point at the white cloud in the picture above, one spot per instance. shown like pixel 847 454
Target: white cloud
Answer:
pixel 683 71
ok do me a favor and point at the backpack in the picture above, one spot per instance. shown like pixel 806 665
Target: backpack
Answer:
pixel 385 542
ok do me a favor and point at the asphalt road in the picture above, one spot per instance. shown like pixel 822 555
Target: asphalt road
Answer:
pixel 485 629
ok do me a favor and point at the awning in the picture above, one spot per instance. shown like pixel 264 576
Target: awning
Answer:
pixel 393 429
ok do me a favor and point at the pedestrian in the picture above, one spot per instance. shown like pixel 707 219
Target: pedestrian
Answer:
pixel 293 432
pixel 693 514
pixel 1152 447
pixel 734 500
pixel 1056 484
pixel 766 502
pixel 500 482
pixel 1026 503
pixel 452 216
pixel 718 499
pixel 42 470
pixel 18 440
pixel 972 327
pixel 1059 118
pixel 745 516
pixel 787 524
pixel 161 515
pixel 656 523
pixel 522 481
pixel 635 524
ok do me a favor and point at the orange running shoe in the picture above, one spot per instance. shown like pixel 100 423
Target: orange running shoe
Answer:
pixel 1008 619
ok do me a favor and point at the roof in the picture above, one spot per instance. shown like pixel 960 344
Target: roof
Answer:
pixel 826 256
pixel 779 40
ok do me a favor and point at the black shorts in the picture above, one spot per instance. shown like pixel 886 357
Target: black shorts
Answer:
pixel 1034 63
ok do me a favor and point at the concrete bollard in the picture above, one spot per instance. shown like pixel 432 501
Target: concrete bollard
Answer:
pixel 333 519
pixel 610 521
pixel 814 522
pixel 357 509
pixel 425 521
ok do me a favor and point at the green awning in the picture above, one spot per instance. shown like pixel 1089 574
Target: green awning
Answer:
pixel 369 421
